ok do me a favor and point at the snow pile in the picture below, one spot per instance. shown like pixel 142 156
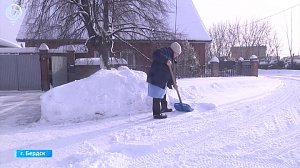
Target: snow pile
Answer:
pixel 105 93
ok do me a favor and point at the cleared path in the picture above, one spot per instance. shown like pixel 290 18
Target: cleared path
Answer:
pixel 19 108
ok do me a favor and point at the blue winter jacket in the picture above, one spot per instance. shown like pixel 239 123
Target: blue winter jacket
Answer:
pixel 159 73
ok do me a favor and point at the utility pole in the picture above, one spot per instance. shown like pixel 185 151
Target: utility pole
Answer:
pixel 176 20
pixel 291 31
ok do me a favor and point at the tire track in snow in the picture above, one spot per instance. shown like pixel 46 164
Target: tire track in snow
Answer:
pixel 285 139
pixel 222 120
pixel 179 122
pixel 221 127
pixel 286 146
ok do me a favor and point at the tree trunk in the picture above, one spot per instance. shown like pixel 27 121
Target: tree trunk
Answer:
pixel 105 41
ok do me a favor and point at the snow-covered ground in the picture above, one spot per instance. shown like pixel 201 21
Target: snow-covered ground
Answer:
pixel 106 121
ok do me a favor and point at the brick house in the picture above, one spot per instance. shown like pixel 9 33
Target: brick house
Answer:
pixel 191 29
pixel 246 52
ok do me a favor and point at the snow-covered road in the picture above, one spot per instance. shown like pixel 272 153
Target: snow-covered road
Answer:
pixel 19 108
pixel 263 132
pixel 255 131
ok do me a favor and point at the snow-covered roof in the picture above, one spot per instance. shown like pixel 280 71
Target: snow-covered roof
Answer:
pixel 78 48
pixel 187 19
pixel 7 44
pixel 18 50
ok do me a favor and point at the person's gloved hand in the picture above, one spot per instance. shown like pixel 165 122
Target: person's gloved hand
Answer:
pixel 175 86
pixel 169 62
pixel 169 86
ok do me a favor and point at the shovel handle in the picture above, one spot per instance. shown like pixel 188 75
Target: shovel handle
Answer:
pixel 174 81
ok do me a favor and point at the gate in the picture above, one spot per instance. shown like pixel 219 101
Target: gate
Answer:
pixel 20 72
pixel 59 70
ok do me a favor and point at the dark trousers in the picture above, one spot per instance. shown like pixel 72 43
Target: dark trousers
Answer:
pixel 159 104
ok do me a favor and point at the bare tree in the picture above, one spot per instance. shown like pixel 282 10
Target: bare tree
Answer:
pixel 290 42
pixel 249 34
pixel 218 34
pixel 233 37
pixel 255 34
pixel 274 46
pixel 101 22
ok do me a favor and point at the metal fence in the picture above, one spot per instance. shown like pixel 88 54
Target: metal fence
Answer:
pixel 228 72
pixel 184 71
pixel 20 72
pixel 245 68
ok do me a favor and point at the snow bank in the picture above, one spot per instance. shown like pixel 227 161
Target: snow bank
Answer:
pixel 105 93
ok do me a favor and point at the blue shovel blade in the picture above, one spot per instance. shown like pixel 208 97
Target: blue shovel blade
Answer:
pixel 183 107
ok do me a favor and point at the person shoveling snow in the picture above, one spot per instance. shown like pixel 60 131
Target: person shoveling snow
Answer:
pixel 160 76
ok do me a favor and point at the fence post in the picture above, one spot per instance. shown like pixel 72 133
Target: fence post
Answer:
pixel 240 66
pixel 214 62
pixel 70 63
pixel 254 65
pixel 44 60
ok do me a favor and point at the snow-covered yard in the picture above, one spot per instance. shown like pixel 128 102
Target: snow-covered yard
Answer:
pixel 106 121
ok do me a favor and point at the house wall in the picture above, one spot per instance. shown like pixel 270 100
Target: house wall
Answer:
pixel 147 49
pixel 246 52
pixel 144 47
pixel 200 51
pixel 121 49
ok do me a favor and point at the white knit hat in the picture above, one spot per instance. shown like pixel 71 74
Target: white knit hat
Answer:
pixel 176 47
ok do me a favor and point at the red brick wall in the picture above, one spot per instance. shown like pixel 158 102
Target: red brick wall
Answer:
pixel 200 51
pixel 146 47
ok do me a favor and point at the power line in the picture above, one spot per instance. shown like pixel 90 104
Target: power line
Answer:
pixel 255 21
pixel 270 15
pixel 278 13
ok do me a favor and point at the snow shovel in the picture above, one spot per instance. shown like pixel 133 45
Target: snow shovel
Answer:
pixel 179 106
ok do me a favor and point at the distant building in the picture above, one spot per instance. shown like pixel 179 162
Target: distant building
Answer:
pixel 246 52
